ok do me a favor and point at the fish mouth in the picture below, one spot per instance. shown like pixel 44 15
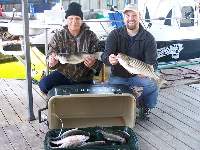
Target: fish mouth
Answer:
pixel 119 55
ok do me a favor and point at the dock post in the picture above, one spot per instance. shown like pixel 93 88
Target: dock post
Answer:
pixel 26 48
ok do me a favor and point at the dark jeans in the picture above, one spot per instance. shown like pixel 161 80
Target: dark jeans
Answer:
pixel 55 79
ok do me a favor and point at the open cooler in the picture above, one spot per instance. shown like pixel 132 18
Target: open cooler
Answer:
pixel 90 107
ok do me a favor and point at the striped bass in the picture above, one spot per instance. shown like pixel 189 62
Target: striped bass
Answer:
pixel 112 137
pixel 135 66
pixel 76 58
pixel 94 143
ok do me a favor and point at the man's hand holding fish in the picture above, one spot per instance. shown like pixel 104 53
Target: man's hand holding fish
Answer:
pixel 113 59
pixel 89 60
pixel 52 60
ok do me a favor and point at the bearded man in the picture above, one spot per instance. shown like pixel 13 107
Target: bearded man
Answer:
pixel 134 41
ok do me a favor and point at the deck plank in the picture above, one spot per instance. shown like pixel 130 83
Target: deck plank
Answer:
pixel 196 87
pixel 8 110
pixel 3 120
pixel 16 138
pixel 144 145
pixel 40 128
pixel 156 118
pixel 30 134
pixel 165 136
pixel 4 142
pixel 192 134
pixel 191 94
pixel 182 96
pixel 181 100
pixel 18 88
pixel 173 124
pixel 147 135
pixel 177 114
pixel 15 102
pixel 179 108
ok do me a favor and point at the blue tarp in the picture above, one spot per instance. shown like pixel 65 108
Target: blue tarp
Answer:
pixel 35 6
pixel 29 1
pixel 18 1
pixel 117 19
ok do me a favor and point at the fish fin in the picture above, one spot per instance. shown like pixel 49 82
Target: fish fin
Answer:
pixel 151 67
pixel 160 82
pixel 98 55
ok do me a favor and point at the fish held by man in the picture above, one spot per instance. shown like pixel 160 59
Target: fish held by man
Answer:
pixel 135 66
pixel 76 58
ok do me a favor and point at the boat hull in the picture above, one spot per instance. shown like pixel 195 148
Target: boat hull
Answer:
pixel 178 50
pixel 175 50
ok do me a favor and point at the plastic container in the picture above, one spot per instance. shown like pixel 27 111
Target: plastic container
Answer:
pixel 90 108
pixel 91 105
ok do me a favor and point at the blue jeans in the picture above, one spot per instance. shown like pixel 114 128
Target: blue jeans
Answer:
pixel 55 79
pixel 150 89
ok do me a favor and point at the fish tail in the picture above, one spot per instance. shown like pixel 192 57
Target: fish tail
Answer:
pixel 160 82
pixel 98 55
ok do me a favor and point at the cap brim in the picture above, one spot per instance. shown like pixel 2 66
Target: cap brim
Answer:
pixel 134 10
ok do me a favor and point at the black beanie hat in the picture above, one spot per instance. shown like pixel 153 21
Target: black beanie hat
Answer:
pixel 74 9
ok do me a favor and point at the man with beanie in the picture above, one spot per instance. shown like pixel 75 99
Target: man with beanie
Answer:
pixel 74 38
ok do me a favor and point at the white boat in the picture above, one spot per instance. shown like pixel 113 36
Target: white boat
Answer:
pixel 175 25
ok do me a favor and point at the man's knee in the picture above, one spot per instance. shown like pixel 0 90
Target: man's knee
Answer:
pixel 43 86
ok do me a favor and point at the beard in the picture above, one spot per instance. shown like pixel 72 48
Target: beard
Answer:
pixel 132 26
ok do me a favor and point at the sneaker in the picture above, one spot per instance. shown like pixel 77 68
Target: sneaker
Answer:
pixel 138 111
pixel 43 117
pixel 143 113
pixel 146 111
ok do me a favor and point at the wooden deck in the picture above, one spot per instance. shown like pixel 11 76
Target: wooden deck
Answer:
pixel 173 124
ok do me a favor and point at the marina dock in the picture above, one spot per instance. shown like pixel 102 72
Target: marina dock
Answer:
pixel 173 124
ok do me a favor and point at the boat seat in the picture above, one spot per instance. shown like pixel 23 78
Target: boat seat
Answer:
pixel 5 48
